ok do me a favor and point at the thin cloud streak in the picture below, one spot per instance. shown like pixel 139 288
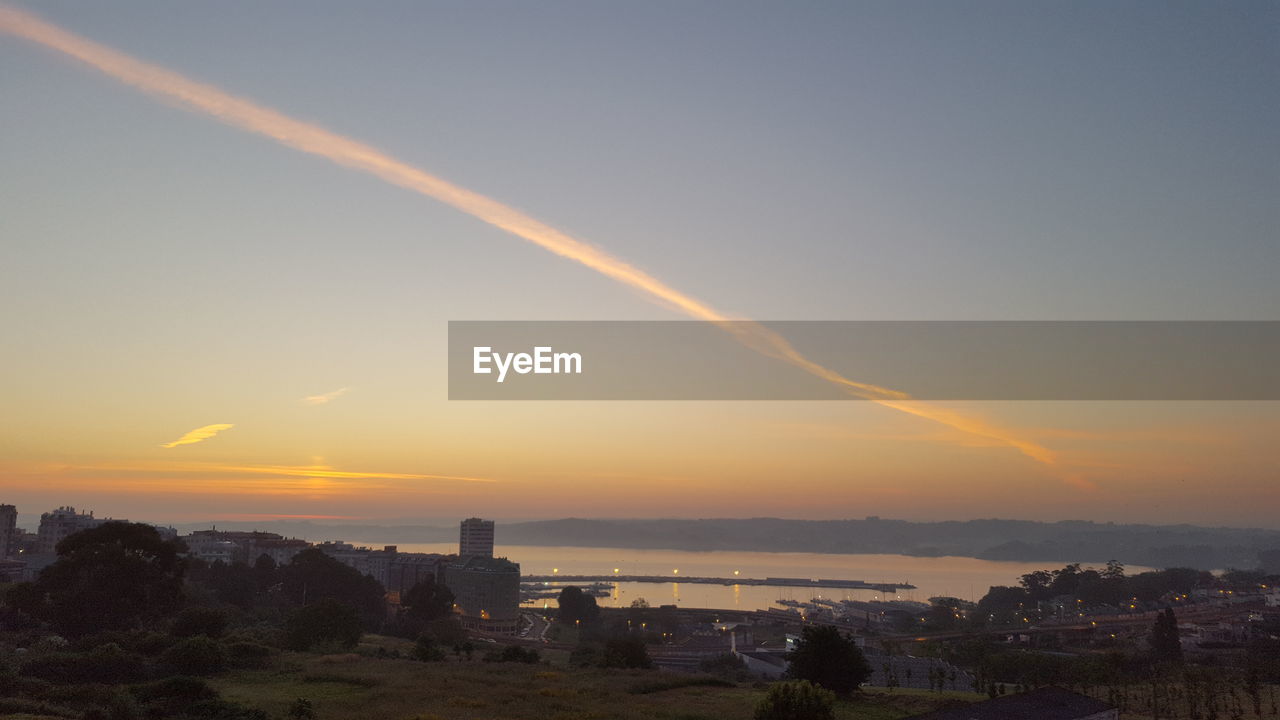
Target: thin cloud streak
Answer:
pixel 343 151
pixel 198 435
pixel 299 471
pixel 325 398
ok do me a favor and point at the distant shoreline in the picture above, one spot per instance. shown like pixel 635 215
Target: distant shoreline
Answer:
pixel 1012 540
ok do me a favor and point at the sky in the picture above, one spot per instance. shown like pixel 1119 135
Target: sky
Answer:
pixel 162 272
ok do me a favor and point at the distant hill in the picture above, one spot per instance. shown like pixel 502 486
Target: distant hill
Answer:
pixel 1022 540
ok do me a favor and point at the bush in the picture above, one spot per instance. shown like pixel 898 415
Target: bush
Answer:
pixel 248 654
pixel 676 683
pixel 194 656
pixel 18 706
pixel 796 701
pixel 512 653
pixel 173 694
pixel 301 709
pixel 108 664
pixel 199 621
pixel 122 706
pixel 727 666
pixel 426 650
pixel 325 622
pixel 625 651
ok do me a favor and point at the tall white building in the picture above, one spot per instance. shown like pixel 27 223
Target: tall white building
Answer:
pixel 476 538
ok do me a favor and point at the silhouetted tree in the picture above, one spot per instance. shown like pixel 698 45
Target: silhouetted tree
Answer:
pixel 112 577
pixel 312 575
pixel 1165 643
pixel 427 601
pixel 825 657
pixel 577 606
pixel 327 621
pixel 625 651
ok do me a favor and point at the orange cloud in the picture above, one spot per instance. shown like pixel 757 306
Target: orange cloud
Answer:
pixel 198 435
pixel 325 398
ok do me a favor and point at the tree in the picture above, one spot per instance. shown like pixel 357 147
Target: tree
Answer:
pixel 194 656
pixel 426 650
pixel 1165 643
pixel 193 621
pixel 328 621
pixel 625 651
pixel 796 701
pixel 427 601
pixel 825 657
pixel 112 577
pixel 577 606
pixel 312 575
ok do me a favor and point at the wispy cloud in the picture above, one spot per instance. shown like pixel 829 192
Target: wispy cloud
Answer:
pixel 198 435
pixel 246 115
pixel 197 478
pixel 325 398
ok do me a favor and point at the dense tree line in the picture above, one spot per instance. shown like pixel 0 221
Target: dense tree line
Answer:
pixel 124 611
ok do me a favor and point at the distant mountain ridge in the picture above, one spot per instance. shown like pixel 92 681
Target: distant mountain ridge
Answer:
pixel 1020 540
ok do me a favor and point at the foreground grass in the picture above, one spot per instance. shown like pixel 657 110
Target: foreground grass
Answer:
pixel 347 686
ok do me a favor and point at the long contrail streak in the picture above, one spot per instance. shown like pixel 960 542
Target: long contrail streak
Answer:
pixel 309 138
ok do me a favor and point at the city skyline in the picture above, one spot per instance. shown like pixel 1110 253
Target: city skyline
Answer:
pixel 204 319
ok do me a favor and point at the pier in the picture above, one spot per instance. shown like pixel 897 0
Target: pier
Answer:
pixel 887 588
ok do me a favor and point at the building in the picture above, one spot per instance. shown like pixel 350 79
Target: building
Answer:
pixel 8 531
pixel 1051 703
pixel 58 524
pixel 12 571
pixel 476 538
pixel 408 569
pixel 232 546
pixel 486 593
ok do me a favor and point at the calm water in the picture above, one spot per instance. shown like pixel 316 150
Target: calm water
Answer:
pixel 966 578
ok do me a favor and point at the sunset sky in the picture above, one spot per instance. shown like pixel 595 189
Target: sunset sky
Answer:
pixel 203 323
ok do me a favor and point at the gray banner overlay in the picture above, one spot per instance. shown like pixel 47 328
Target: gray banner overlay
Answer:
pixel 927 360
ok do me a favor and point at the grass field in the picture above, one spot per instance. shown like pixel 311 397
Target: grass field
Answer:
pixel 359 686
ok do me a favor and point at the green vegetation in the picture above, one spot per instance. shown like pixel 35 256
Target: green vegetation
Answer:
pixel 797 701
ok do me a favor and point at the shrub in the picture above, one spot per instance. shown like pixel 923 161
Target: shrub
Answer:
pixel 625 651
pixel 19 706
pixel 675 683
pixel 108 664
pixel 512 653
pixel 199 621
pixel 175 693
pixel 796 701
pixel 194 656
pixel 327 621
pixel 301 709
pixel 248 654
pixel 426 650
